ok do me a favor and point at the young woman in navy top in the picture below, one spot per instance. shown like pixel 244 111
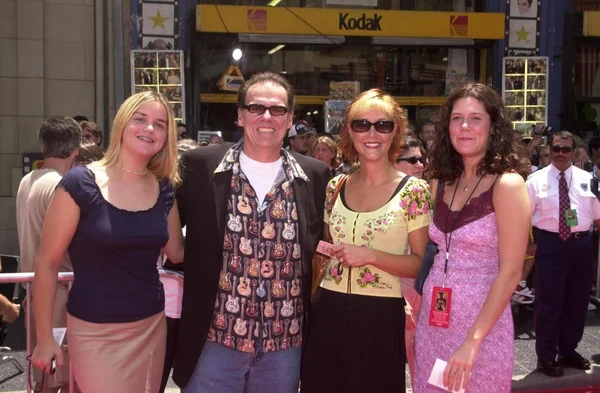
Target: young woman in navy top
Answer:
pixel 114 217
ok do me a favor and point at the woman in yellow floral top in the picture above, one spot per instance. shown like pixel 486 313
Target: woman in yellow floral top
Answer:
pixel 355 341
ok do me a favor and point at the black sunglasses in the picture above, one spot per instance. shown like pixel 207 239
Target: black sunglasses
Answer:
pixel 258 109
pixel 561 149
pixel 381 126
pixel 412 160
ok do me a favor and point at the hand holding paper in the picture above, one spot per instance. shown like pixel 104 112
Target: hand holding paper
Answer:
pixel 437 376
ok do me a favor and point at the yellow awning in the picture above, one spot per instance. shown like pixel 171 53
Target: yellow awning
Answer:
pixel 326 22
pixel 591 24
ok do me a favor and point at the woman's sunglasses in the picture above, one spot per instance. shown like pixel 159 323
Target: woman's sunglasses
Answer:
pixel 258 109
pixel 412 160
pixel 561 149
pixel 381 126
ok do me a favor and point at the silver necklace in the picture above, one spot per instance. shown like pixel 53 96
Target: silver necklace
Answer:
pixel 132 172
pixel 466 187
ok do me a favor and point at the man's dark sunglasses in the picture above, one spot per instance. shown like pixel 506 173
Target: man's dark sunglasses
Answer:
pixel 412 160
pixel 381 126
pixel 561 149
pixel 258 109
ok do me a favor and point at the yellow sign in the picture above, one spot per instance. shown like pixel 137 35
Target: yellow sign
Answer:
pixel 591 24
pixel 348 22
pixel 232 79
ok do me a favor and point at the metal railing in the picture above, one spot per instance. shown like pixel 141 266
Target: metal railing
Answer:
pixel 26 279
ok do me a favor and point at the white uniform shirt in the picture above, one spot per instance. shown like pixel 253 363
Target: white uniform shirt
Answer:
pixel 542 187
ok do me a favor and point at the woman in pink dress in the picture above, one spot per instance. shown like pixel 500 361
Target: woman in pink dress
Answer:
pixel 481 225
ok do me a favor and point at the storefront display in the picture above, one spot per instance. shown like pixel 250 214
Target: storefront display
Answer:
pixel 334 115
pixel 525 90
pixel 160 71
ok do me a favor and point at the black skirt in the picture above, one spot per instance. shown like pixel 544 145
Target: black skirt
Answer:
pixel 355 344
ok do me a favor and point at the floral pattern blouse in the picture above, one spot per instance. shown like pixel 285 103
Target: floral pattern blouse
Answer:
pixel 385 229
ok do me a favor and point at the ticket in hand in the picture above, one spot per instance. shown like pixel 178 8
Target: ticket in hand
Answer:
pixel 324 248
pixel 437 376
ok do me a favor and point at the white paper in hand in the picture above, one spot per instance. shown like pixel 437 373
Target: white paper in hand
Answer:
pixel 437 376
pixel 59 334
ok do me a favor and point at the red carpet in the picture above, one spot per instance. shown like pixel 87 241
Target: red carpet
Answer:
pixel 567 390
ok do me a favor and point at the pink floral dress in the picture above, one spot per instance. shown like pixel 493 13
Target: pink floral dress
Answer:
pixel 472 267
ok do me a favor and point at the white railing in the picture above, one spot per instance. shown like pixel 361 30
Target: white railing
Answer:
pixel 26 279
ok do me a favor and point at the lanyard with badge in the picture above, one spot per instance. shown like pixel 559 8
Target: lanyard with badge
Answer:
pixel 441 298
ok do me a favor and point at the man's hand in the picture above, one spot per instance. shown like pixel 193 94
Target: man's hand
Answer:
pixel 10 312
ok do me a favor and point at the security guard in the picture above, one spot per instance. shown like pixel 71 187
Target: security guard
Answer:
pixel 563 210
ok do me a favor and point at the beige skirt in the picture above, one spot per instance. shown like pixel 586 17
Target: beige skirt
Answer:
pixel 118 357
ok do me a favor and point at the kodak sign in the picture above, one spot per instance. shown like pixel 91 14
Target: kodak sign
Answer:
pixel 363 22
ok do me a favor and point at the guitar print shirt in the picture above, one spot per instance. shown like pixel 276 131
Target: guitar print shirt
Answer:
pixel 259 298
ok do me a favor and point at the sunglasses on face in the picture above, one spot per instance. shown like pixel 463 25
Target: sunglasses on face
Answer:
pixel 412 160
pixel 561 149
pixel 381 126
pixel 258 109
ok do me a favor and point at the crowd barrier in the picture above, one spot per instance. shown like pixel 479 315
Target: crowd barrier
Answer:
pixel 25 279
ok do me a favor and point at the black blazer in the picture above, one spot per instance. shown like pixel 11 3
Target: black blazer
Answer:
pixel 202 200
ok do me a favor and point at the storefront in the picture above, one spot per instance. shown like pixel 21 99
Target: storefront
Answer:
pixel 417 56
pixel 582 85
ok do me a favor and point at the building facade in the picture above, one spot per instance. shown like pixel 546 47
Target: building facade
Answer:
pixel 74 57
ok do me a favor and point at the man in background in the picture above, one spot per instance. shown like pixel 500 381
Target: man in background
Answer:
pixel 182 130
pixel 60 138
pixel 91 132
pixel 300 137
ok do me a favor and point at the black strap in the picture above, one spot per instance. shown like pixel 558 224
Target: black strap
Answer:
pixel 401 185
pixel 438 192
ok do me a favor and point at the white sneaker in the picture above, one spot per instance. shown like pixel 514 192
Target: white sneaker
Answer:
pixel 524 290
pixel 520 299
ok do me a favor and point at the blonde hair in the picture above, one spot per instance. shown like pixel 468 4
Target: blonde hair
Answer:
pixel 163 164
pixel 368 101
pixel 331 145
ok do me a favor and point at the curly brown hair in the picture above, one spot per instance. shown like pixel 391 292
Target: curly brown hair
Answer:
pixel 446 164
pixel 373 100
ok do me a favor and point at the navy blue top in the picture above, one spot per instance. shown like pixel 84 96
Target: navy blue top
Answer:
pixel 114 253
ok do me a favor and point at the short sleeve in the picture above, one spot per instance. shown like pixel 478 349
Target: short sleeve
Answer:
pixel 168 194
pixel 415 200
pixel 329 201
pixel 80 184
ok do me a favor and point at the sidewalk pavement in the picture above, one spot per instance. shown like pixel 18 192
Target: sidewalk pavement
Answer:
pixel 525 377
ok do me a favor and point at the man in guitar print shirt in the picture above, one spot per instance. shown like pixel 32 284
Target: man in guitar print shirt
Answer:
pixel 254 215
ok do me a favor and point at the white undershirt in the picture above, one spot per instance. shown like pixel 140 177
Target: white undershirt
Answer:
pixel 261 175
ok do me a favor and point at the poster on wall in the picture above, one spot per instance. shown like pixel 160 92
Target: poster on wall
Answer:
pixel 163 72
pixel 522 29
pixel 525 91
pixel 334 115
pixel 157 24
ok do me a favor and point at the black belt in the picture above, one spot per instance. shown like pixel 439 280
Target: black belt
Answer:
pixel 574 235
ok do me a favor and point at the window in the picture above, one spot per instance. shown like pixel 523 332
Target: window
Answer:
pixel 401 71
